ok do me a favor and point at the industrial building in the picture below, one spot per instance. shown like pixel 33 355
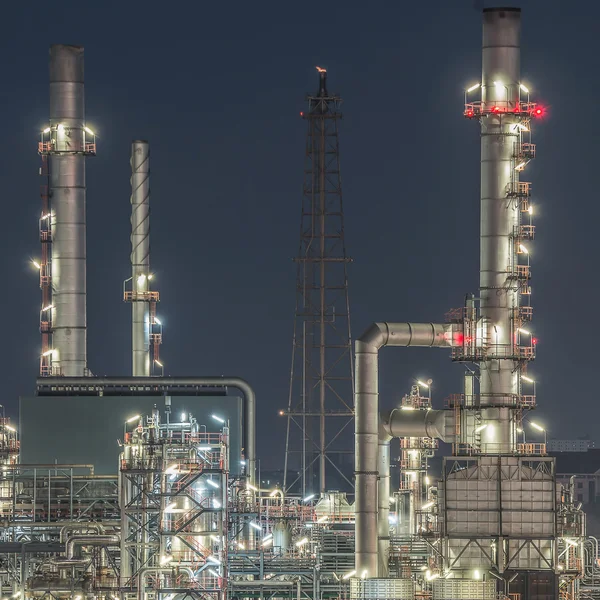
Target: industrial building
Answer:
pixel 159 498
pixel 582 445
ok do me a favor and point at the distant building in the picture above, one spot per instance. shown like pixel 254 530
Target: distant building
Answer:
pixel 569 445
pixel 584 468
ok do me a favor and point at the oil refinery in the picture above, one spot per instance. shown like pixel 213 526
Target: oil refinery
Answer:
pixel 154 500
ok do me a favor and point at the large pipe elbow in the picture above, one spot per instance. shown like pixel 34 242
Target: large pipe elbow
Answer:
pixel 404 334
pixel 79 527
pixel 370 439
pixel 90 540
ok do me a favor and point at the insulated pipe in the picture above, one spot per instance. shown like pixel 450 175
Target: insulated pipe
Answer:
pixel 89 540
pixel 394 424
pixel 67 190
pixel 436 424
pixel 366 407
pixel 152 382
pixel 140 257
pixel 383 503
pixel 159 570
pixel 97 527
pixel 500 82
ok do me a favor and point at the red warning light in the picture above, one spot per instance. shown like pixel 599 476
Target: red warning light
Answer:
pixel 538 112
pixel 495 109
pixel 301 114
pixel 469 113
pixel 534 341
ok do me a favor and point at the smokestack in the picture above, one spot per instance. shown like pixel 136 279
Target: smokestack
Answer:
pixel 67 150
pixel 140 257
pixel 500 219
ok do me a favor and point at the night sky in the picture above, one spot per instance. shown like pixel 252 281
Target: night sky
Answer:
pixel 217 89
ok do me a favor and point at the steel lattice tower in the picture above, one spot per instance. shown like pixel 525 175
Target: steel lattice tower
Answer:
pixel 321 378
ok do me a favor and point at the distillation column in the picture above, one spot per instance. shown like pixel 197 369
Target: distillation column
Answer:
pixel 500 81
pixel 140 257
pixel 67 190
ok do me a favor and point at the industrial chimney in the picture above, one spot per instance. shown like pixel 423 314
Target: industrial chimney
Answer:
pixel 64 145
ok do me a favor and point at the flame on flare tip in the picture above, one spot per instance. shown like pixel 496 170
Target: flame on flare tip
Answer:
pixel 321 69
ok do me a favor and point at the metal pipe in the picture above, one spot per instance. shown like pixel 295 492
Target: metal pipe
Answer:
pixel 366 406
pixel 394 424
pixel 145 570
pixel 89 540
pixel 500 81
pixel 152 382
pixel 97 527
pixel 383 502
pixel 140 257
pixel 67 189
pixel 418 423
pixel 54 466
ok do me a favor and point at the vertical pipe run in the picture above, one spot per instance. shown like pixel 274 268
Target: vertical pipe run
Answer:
pixel 499 221
pixel 67 189
pixel 383 503
pixel 366 408
pixel 140 257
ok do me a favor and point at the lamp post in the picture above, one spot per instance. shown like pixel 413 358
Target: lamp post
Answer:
pixel 127 421
pixel 427 386
pixel 540 428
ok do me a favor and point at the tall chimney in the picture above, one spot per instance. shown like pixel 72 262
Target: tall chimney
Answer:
pixel 500 219
pixel 140 258
pixel 67 150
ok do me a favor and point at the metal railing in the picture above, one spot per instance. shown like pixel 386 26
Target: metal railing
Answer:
pixel 522 272
pixel 520 189
pixel 480 108
pixel 532 449
pixel 135 296
pixel 527 232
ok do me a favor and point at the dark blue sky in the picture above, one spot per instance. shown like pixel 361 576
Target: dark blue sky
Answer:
pixel 217 89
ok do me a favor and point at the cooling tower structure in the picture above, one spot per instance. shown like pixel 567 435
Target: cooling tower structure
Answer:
pixel 64 146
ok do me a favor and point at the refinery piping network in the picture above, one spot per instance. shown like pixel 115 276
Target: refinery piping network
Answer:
pixel 186 515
